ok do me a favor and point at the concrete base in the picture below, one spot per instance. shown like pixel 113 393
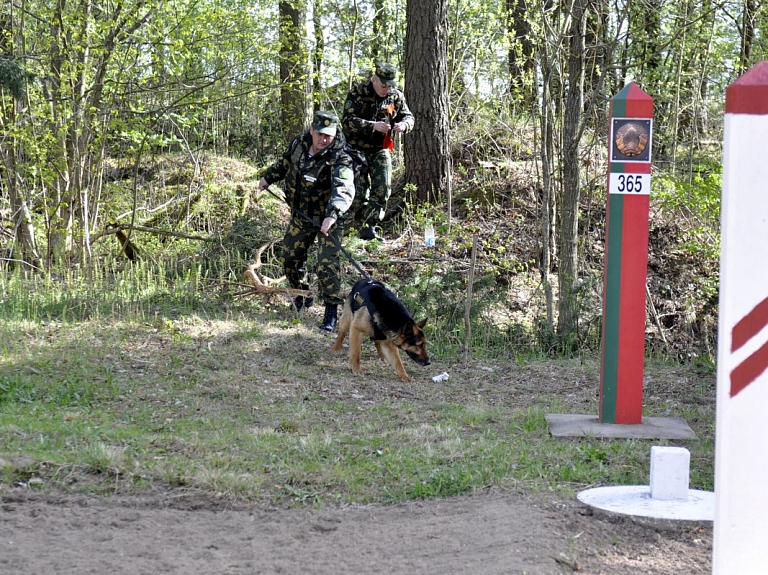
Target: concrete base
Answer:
pixel 636 500
pixel 581 425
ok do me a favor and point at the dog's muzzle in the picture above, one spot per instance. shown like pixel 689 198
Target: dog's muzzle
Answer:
pixel 420 360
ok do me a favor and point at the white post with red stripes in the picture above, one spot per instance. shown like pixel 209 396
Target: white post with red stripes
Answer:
pixel 741 445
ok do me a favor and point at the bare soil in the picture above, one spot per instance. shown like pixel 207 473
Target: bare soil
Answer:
pixel 491 532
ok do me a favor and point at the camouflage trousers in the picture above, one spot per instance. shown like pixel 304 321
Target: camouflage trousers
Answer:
pixel 373 187
pixel 298 238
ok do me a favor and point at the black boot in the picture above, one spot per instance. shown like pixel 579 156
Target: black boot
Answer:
pixel 368 232
pixel 330 318
pixel 300 302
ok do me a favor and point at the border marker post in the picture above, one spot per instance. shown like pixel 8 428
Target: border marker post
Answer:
pixel 626 257
pixel 741 465
pixel 624 279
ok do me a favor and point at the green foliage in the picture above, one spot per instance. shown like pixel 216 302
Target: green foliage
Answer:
pixel 142 289
pixel 257 233
pixel 13 77
pixel 500 325
pixel 686 252
pixel 695 198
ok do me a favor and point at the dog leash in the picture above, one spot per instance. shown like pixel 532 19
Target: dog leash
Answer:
pixel 333 238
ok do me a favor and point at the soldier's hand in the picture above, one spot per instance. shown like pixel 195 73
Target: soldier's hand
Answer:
pixel 327 225
pixel 380 126
pixel 263 185
pixel 399 127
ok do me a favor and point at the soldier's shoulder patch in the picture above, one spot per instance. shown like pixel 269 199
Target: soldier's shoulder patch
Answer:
pixel 345 172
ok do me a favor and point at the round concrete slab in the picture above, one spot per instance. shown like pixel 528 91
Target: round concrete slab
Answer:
pixel 636 500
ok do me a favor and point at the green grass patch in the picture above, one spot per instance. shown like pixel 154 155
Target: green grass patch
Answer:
pixel 179 388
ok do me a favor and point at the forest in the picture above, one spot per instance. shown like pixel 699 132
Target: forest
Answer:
pixel 118 119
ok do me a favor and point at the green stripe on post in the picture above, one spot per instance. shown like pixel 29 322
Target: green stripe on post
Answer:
pixel 619 104
pixel 612 299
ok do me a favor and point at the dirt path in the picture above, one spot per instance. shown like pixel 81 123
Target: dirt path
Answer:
pixel 484 534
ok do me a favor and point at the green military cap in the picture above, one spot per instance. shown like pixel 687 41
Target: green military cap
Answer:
pixel 386 73
pixel 325 122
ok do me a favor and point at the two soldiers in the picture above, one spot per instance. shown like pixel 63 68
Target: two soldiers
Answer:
pixel 319 183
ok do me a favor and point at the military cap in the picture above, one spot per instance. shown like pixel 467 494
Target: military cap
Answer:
pixel 325 122
pixel 386 73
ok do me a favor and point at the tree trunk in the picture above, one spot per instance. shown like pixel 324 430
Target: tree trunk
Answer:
pixel 293 67
pixel 318 55
pixel 25 243
pixel 379 44
pixel 748 16
pixel 548 205
pixel 520 55
pixel 597 46
pixel 567 320
pixel 427 147
pixel 353 46
pixel 13 79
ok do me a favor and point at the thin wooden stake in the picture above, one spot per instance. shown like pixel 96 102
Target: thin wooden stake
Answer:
pixel 468 306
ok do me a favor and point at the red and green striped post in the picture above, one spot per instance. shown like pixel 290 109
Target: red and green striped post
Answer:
pixel 626 257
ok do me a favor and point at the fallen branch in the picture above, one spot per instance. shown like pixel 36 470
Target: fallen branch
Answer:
pixel 115 228
pixel 260 285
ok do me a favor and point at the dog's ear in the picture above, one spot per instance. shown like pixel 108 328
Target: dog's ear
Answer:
pixel 422 323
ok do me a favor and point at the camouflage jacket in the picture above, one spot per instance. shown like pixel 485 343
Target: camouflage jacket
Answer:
pixel 320 186
pixel 363 107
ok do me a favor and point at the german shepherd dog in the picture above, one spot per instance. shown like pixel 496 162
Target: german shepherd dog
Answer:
pixel 373 310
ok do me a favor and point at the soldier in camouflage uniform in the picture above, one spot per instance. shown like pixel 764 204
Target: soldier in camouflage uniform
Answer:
pixel 318 181
pixel 373 112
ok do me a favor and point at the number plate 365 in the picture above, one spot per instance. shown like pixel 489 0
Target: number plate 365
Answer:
pixel 634 184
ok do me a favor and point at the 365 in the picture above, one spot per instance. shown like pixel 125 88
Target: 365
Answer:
pixel 630 183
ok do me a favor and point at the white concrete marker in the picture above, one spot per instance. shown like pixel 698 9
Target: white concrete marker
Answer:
pixel 670 472
pixel 668 496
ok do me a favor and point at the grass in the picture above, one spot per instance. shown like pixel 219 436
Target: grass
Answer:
pixel 140 383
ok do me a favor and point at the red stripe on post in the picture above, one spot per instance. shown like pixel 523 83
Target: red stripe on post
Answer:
pixel 749 94
pixel 749 369
pixel 749 325
pixel 637 168
pixel 638 103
